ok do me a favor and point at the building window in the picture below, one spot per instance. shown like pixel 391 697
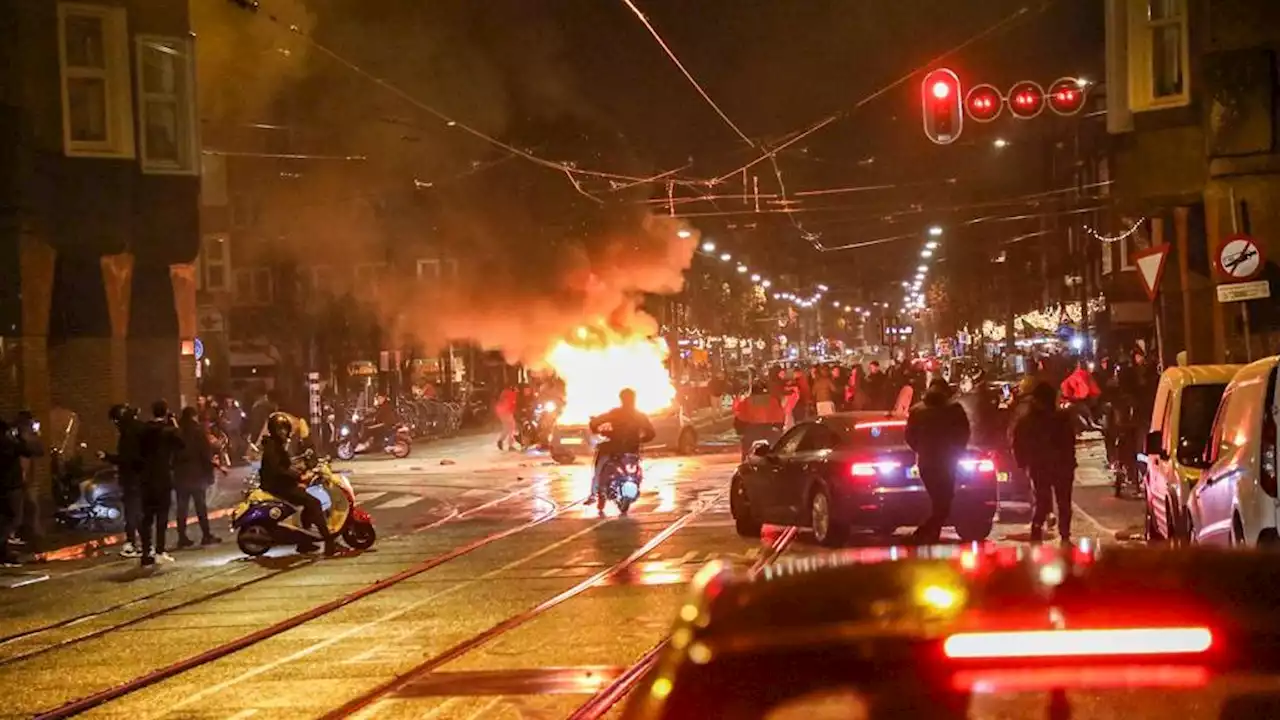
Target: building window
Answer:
pixel 1159 54
pixel 253 286
pixel 166 105
pixel 93 60
pixel 433 269
pixel 215 264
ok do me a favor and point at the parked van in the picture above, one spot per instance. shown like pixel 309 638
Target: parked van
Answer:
pixel 1187 400
pixel 1234 501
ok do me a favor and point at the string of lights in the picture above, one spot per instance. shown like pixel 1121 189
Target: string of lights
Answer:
pixel 1108 239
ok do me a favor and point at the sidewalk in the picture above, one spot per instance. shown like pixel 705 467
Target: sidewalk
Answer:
pixel 66 544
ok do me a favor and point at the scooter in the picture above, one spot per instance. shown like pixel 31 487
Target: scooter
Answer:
pixel 620 480
pixel 263 521
pixel 87 500
pixel 354 440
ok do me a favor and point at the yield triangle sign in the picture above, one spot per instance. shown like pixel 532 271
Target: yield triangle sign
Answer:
pixel 1151 268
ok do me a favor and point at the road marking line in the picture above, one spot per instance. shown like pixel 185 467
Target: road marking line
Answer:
pixel 246 713
pixel 399 612
pixel 365 498
pixel 399 502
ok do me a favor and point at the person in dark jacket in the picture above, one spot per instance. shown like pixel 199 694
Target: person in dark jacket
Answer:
pixel 193 474
pixel 15 447
pixel 128 461
pixel 938 432
pixel 279 477
pixel 626 429
pixel 30 529
pixel 875 390
pixel 1044 445
pixel 159 445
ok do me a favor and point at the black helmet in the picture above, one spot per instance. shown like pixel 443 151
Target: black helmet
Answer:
pixel 279 426
pixel 120 412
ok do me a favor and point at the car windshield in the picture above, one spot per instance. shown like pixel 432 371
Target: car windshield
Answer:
pixel 863 433
pixel 1199 404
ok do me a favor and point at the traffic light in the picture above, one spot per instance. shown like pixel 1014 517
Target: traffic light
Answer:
pixel 1066 96
pixel 1026 100
pixel 940 98
pixel 984 103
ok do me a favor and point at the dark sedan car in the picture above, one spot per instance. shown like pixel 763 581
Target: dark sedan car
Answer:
pixel 992 633
pixel 853 470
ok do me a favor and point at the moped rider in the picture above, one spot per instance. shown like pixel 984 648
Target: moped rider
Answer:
pixel 625 429
pixel 281 478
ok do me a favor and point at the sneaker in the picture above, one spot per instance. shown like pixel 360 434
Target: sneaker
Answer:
pixel 164 557
pixel 210 540
pixel 185 542
pixel 148 561
pixel 500 447
pixel 307 547
pixel 10 563
pixel 130 551
pixel 17 541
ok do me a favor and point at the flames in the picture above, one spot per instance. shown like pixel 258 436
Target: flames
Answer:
pixel 596 366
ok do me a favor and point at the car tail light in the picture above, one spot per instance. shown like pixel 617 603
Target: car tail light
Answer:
pixel 880 424
pixel 1033 679
pixel 872 469
pixel 984 465
pixel 1076 643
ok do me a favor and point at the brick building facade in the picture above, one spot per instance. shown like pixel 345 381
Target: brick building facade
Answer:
pixel 99 223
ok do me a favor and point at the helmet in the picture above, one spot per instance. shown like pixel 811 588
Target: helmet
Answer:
pixel 280 425
pixel 121 412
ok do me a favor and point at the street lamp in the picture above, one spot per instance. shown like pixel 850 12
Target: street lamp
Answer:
pixel 922 269
pixel 755 278
pixel 766 283
pixel 726 257
pixel 1000 143
pixel 926 253
pixel 742 268
pixel 684 234
pixel 708 246
pixel 935 231
pixel 823 288
pixel 931 245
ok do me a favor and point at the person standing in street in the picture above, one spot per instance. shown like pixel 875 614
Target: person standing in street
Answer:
pixel 193 475
pixel 938 432
pixel 824 392
pixel 758 416
pixel 875 389
pixel 505 410
pixel 128 461
pixel 1044 445
pixel 31 531
pixel 159 443
pixel 15 447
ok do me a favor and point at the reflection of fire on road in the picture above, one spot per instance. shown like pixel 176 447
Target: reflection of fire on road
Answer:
pixel 596 366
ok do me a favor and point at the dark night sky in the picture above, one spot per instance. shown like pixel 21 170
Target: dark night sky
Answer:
pixel 583 80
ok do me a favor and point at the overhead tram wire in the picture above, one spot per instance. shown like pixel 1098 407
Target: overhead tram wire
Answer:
pixel 443 117
pixel 996 27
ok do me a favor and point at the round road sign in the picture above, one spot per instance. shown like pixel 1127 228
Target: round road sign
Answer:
pixel 1240 258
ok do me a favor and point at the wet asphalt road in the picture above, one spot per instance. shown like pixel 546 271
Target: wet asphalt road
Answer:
pixel 490 536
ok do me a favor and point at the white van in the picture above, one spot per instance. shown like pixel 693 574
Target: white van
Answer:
pixel 1234 502
pixel 1186 403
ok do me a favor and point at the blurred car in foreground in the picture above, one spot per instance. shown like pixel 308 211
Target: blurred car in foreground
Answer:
pixel 976 632
pixel 853 470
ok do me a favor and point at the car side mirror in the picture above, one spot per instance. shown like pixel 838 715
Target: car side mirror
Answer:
pixel 760 448
pixel 1155 447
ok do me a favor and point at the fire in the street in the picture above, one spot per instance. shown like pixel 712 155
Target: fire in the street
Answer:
pixel 596 366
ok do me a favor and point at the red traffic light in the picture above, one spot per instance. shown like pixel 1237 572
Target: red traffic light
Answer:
pixel 940 99
pixel 984 103
pixel 1066 96
pixel 1026 100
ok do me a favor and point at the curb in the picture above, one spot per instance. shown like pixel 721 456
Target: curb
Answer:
pixel 85 549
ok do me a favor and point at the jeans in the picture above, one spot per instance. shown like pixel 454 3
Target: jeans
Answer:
pixel 11 502
pixel 508 437
pixel 940 483
pixel 31 528
pixel 131 495
pixel 602 459
pixel 312 510
pixel 186 496
pixel 1051 487
pixel 155 518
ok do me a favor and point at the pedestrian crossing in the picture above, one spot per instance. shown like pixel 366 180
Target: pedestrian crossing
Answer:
pixel 383 500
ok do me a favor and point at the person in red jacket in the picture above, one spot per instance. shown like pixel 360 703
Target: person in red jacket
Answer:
pixel 505 409
pixel 758 416
pixel 1081 392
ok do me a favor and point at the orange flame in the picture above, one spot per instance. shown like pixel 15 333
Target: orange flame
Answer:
pixel 600 364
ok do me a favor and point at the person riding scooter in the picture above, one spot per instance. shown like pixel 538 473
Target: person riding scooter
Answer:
pixel 279 477
pixel 625 429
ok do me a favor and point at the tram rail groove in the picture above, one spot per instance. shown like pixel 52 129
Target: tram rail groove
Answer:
pixel 610 695
pixel 128 687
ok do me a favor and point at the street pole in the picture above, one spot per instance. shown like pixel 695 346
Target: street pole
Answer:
pixel 1244 304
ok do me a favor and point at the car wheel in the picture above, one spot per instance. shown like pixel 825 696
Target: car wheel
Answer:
pixel 827 529
pixel 740 507
pixel 974 529
pixel 688 442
